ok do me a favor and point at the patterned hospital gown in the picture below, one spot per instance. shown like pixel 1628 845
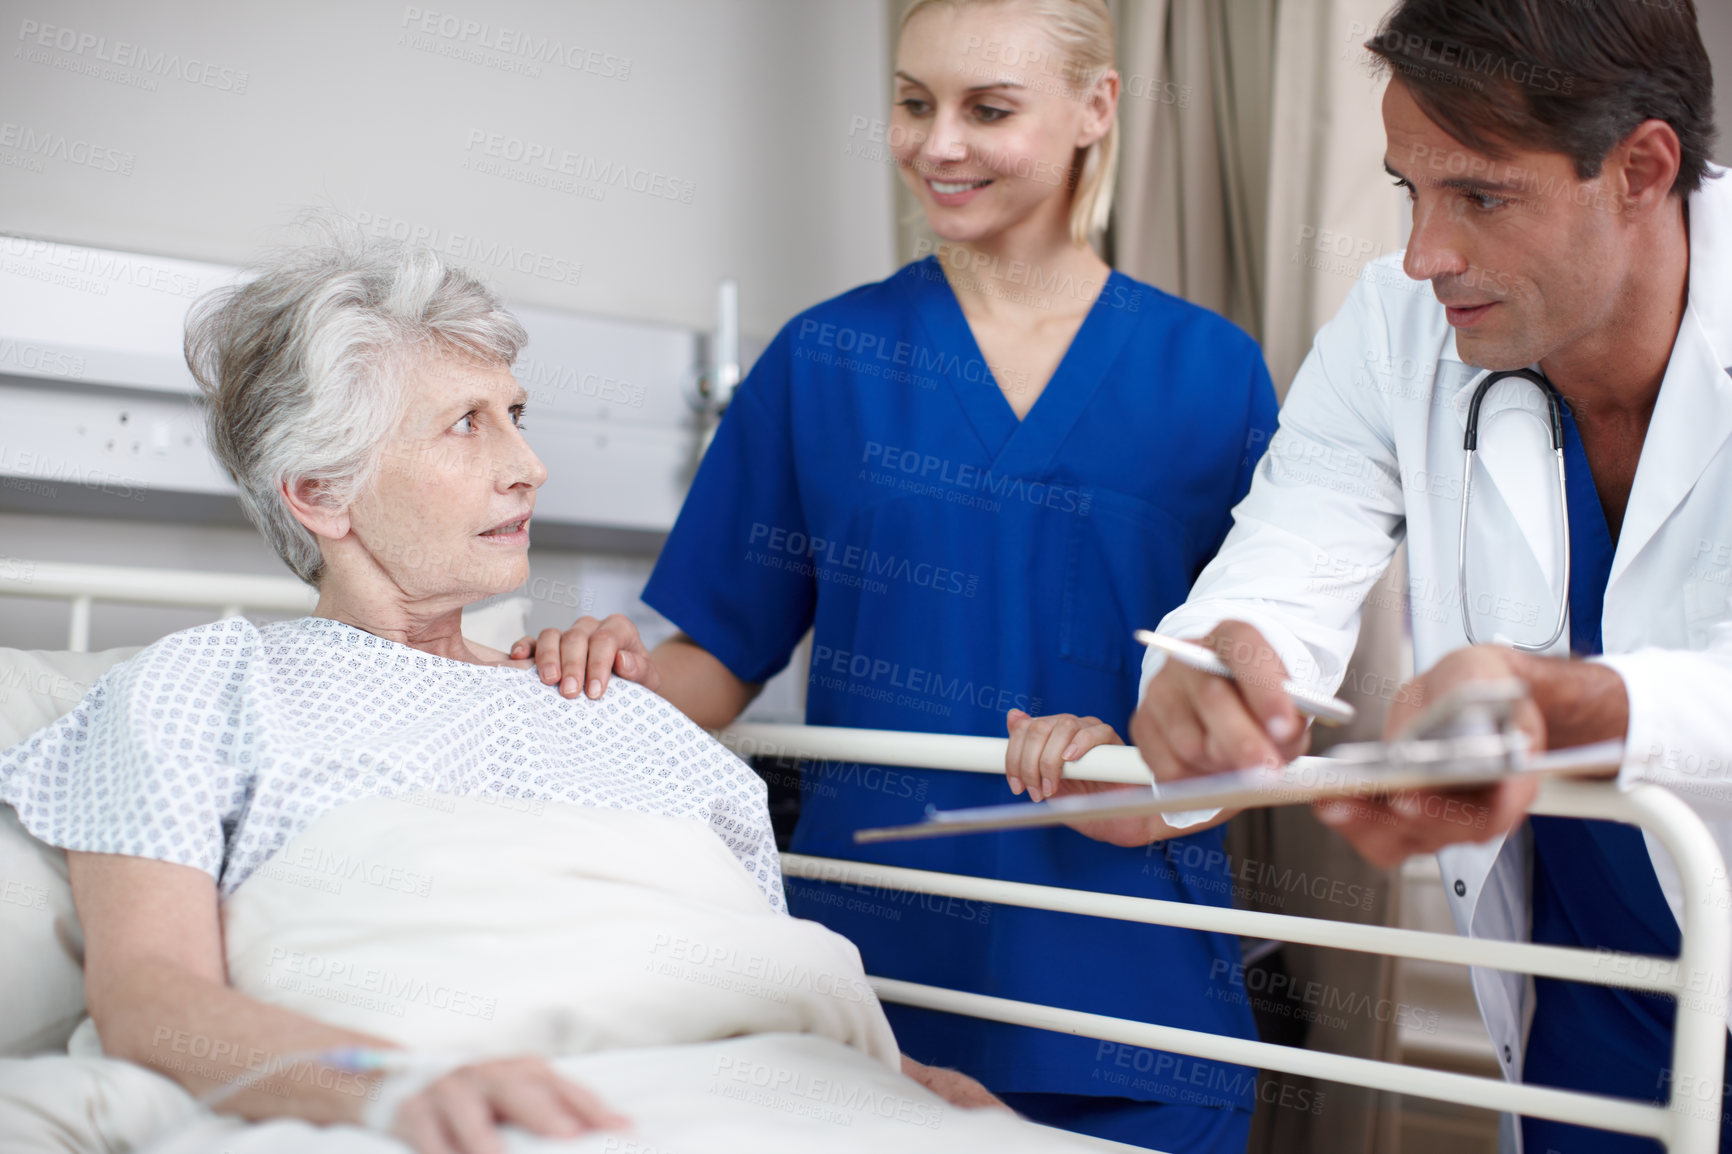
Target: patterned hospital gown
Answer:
pixel 217 745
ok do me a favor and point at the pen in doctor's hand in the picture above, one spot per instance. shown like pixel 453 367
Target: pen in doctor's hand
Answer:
pixel 1329 710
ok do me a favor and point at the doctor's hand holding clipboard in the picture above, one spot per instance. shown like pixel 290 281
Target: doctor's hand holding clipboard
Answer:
pixel 1192 723
pixel 1570 703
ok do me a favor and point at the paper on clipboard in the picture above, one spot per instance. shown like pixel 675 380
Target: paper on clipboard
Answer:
pixel 1303 781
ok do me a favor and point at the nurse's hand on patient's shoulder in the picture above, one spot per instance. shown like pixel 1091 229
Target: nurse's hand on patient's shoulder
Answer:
pixel 1192 723
pixel 1388 831
pixel 581 659
pixel 1039 747
pixel 461 1112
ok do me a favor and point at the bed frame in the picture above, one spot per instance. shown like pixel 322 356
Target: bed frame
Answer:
pixel 1689 1123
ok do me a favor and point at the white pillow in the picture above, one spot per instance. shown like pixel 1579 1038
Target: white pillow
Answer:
pixel 41 946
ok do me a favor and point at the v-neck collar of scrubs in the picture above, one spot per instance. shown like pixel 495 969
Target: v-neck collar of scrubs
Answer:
pixel 1591 545
pixel 1025 446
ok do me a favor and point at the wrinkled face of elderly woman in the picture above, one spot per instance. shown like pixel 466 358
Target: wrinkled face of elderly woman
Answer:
pixel 447 514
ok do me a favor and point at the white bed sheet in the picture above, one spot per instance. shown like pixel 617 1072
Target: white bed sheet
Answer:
pixel 632 946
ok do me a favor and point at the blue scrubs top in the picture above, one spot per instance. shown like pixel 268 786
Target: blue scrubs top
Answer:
pixel 1594 886
pixel 871 481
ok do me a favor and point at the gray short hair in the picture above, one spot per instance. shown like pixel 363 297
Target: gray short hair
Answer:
pixel 302 367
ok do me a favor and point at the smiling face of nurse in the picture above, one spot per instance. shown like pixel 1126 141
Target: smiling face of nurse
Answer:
pixel 992 120
pixel 1529 259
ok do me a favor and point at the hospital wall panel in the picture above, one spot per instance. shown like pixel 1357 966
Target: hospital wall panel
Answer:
pixel 615 157
pixel 605 163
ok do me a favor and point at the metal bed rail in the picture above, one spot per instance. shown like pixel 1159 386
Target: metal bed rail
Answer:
pixel 82 585
pixel 1689 1122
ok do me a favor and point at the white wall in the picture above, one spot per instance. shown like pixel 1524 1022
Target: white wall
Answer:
pixel 198 128
pixel 740 109
pixel 1714 18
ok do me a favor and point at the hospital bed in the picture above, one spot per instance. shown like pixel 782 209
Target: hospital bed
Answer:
pixel 1688 1123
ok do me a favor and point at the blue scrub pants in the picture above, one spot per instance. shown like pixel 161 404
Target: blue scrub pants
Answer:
pixel 1177 1129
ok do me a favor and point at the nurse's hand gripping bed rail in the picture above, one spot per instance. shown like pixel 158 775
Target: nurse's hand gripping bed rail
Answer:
pixel 1689 1122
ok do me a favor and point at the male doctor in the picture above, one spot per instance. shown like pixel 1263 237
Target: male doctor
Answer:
pixel 1565 220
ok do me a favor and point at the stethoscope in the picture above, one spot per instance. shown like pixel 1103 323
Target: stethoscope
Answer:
pixel 1470 444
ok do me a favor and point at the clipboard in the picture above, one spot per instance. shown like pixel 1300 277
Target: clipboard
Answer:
pixel 1464 740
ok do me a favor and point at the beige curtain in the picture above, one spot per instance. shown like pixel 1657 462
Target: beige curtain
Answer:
pixel 1194 119
pixel 1252 144
pixel 1336 209
pixel 1252 147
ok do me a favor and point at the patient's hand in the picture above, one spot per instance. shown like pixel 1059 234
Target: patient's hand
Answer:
pixel 461 1112
pixel 586 655
pixel 953 1086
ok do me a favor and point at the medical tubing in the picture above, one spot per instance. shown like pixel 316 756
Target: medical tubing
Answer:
pixel 351 1059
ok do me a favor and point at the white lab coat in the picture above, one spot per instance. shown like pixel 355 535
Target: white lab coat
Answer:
pixel 1369 449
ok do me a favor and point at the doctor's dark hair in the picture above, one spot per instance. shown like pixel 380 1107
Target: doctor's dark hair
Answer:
pixel 303 366
pixel 1569 76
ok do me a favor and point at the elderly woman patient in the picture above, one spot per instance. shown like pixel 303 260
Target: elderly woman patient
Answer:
pixel 362 399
